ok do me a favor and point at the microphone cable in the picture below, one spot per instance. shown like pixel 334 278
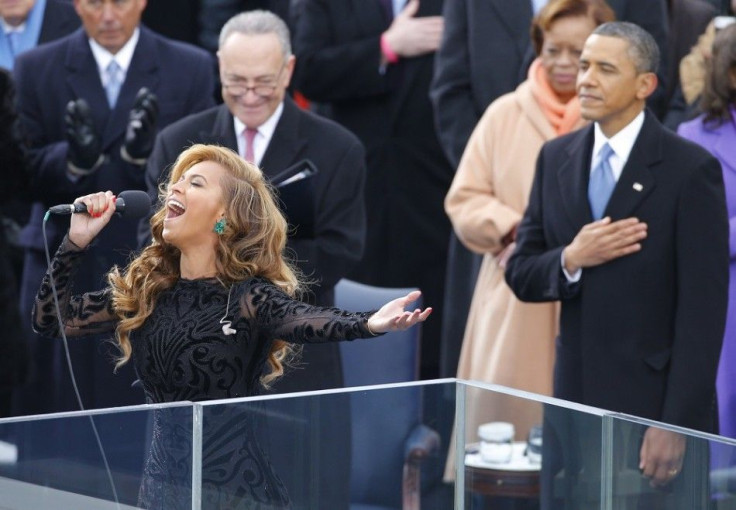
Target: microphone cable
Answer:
pixel 69 363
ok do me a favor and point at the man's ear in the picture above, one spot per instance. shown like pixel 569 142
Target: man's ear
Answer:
pixel 646 85
pixel 289 69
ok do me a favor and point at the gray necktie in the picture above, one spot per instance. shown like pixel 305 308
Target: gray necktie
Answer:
pixel 114 78
pixel 601 183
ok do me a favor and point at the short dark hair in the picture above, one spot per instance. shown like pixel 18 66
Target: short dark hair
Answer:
pixel 597 10
pixel 719 92
pixel 643 49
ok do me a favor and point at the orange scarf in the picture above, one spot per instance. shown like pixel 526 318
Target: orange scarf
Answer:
pixel 562 116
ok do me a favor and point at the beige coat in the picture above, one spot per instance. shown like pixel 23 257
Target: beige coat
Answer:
pixel 506 342
pixel 693 66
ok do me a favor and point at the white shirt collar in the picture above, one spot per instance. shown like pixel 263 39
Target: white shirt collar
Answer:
pixel 10 28
pixel 398 6
pixel 263 138
pixel 122 57
pixel 621 143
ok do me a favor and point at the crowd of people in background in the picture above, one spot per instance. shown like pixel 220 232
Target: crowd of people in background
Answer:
pixel 424 119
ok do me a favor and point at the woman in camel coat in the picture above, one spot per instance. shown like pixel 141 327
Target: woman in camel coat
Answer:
pixel 508 342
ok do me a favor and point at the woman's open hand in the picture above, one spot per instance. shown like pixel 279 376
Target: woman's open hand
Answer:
pixel 393 316
pixel 85 227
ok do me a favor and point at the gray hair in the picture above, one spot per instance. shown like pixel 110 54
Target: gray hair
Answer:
pixel 643 49
pixel 258 22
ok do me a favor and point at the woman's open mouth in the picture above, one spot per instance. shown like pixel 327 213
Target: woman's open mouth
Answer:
pixel 174 209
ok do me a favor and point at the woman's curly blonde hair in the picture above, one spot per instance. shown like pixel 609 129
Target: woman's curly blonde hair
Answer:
pixel 252 245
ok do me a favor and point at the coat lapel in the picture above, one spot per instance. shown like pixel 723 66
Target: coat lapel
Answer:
pixel 637 181
pixel 222 132
pixel 83 78
pixel 143 72
pixel 573 177
pixel 369 14
pixel 286 143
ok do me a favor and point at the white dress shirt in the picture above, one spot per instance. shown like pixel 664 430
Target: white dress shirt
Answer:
pixel 621 143
pixel 398 6
pixel 122 57
pixel 262 139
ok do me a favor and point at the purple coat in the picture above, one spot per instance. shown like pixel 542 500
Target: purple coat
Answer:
pixel 721 142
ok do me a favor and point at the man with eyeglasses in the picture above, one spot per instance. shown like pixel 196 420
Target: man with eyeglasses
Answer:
pixel 91 104
pixel 261 123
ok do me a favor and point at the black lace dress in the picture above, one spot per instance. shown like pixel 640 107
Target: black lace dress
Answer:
pixel 196 347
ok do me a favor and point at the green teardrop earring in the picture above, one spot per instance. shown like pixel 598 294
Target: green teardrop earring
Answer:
pixel 220 226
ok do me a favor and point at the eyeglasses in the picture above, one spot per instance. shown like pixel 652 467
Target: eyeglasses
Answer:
pixel 238 88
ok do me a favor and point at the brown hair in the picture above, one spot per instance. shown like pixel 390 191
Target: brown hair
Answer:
pixel 719 92
pixel 596 10
pixel 251 245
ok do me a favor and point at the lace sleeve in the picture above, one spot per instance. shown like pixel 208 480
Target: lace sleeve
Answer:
pixel 296 322
pixel 81 315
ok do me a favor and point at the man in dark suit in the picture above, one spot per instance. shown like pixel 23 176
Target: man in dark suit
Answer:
pixel 264 125
pixel 285 136
pixel 370 62
pixel 627 227
pixel 13 349
pixel 86 138
pixel 25 25
pixel 485 53
pixel 28 23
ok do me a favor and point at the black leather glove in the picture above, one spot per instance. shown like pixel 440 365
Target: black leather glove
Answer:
pixel 85 151
pixel 141 131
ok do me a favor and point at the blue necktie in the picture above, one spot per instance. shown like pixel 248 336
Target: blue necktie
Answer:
pixel 601 183
pixel 114 80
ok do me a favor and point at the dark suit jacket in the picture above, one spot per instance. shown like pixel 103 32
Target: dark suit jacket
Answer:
pixel 59 19
pixel 183 26
pixel 337 47
pixel 640 334
pixel 338 57
pixel 12 344
pixel 47 78
pixel 339 157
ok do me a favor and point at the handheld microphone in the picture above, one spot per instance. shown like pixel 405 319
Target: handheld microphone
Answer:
pixel 130 204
